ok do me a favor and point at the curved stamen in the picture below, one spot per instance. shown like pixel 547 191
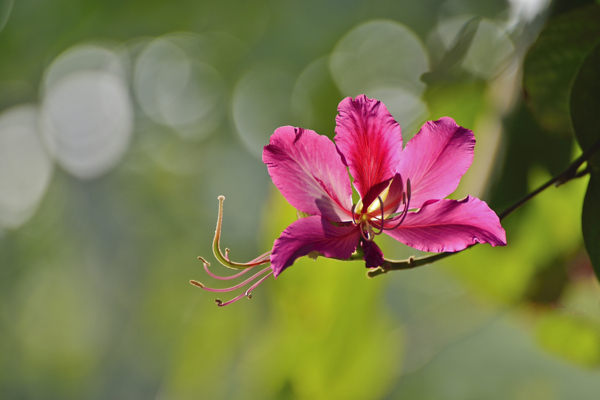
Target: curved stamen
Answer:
pixel 248 292
pixel 229 289
pixel 380 228
pixel 245 294
pixel 370 231
pixel 352 211
pixel 362 232
pixel 406 200
pixel 400 218
pixel 225 278
pixel 224 258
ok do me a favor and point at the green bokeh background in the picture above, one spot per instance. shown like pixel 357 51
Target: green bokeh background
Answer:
pixel 94 295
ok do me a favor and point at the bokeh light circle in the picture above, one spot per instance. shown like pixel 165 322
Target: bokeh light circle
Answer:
pixel 406 108
pixel 379 55
pixel 25 166
pixel 491 50
pixel 87 117
pixel 84 58
pixel 178 91
pixel 262 102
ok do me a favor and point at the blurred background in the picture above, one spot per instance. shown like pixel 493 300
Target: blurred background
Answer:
pixel 122 121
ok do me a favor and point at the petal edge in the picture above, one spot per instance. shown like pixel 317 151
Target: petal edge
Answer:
pixel 450 225
pixel 312 234
pixel 309 172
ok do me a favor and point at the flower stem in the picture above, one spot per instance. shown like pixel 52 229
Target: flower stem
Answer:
pixel 560 179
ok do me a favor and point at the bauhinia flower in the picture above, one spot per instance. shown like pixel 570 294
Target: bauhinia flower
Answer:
pixel 402 192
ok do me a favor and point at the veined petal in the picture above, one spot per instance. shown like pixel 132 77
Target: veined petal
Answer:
pixel 450 225
pixel 435 159
pixel 369 140
pixel 309 172
pixel 313 234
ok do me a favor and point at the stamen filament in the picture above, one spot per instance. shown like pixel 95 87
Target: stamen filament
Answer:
pixel 225 278
pixel 362 232
pixel 224 258
pixel 406 200
pixel 249 291
pixel 245 294
pixel 229 289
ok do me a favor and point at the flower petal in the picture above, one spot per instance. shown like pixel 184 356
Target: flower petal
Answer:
pixel 435 159
pixel 373 255
pixel 393 200
pixel 309 172
pixel 369 140
pixel 313 234
pixel 450 225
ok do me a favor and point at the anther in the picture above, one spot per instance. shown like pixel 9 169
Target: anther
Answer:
pixel 203 260
pixel 196 283
pixel 219 302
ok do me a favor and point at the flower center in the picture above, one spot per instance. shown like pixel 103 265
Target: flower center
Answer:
pixel 380 216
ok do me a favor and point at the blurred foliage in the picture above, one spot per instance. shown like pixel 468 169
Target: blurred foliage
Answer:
pixel 553 61
pixel 94 266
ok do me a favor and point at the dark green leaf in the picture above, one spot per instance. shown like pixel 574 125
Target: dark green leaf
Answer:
pixel 585 104
pixel 527 146
pixel 590 221
pixel 553 61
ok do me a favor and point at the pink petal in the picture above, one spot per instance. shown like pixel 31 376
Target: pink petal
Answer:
pixel 374 192
pixel 309 172
pixel 393 201
pixel 450 225
pixel 435 159
pixel 313 234
pixel 369 141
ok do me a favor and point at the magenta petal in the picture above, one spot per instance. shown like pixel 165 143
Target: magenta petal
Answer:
pixel 374 192
pixel 435 159
pixel 373 255
pixel 313 234
pixel 393 201
pixel 309 172
pixel 450 225
pixel 369 141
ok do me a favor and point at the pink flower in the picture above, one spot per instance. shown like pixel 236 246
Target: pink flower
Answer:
pixel 401 191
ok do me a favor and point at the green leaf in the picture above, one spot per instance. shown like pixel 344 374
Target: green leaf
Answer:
pixel 590 221
pixel 585 104
pixel 552 63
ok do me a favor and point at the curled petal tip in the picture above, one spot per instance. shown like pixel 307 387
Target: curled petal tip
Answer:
pixel 196 283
